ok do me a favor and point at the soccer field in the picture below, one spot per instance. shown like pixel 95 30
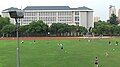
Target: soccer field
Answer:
pixel 47 53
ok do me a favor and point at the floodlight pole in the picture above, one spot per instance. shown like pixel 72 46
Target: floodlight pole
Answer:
pixel 17 15
pixel 17 44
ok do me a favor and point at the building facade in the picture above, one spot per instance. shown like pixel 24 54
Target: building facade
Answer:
pixel 119 14
pixel 82 16
pixel 112 10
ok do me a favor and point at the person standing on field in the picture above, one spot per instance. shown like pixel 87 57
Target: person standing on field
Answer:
pixel 116 43
pixel 109 43
pixel 61 46
pixel 96 61
pixel 22 41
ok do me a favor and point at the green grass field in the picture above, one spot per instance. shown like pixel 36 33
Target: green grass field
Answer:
pixel 46 53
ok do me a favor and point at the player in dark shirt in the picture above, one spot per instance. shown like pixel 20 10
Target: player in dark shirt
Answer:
pixel 109 43
pixel 96 61
pixel 116 43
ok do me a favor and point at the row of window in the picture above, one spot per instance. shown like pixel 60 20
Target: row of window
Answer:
pixel 64 18
pixel 30 13
pixel 51 18
pixel 47 13
pixel 25 23
pixel 30 18
pixel 65 13
pixel 50 13
pixel 47 18
pixel 54 18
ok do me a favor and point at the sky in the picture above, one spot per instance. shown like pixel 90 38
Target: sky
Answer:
pixel 100 7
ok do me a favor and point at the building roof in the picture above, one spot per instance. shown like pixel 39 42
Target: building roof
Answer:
pixel 11 8
pixel 84 8
pixel 47 8
pixel 55 8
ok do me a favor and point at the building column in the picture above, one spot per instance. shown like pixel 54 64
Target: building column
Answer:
pixel 56 17
pixel 37 15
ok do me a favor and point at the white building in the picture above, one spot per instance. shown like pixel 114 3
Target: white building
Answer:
pixel 81 16
pixel 112 10
pixel 119 14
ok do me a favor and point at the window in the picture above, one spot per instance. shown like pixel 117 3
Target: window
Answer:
pixel 77 13
pixel 76 18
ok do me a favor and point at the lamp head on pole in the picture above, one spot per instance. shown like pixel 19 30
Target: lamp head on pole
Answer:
pixel 16 14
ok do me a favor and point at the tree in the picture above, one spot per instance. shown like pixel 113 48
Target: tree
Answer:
pixel 38 27
pixel 102 28
pixel 8 29
pixel 115 30
pixel 24 30
pixel 4 21
pixel 106 29
pixel 63 28
pixel 82 30
pixel 59 28
pixel 113 19
pixel 72 28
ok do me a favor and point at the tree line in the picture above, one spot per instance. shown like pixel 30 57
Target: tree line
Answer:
pixel 39 28
pixel 109 28
pixel 106 29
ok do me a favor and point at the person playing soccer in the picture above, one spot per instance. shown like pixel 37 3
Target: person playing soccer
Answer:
pixel 116 43
pixel 34 41
pixel 22 41
pixel 106 54
pixel 109 43
pixel 61 46
pixel 96 61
